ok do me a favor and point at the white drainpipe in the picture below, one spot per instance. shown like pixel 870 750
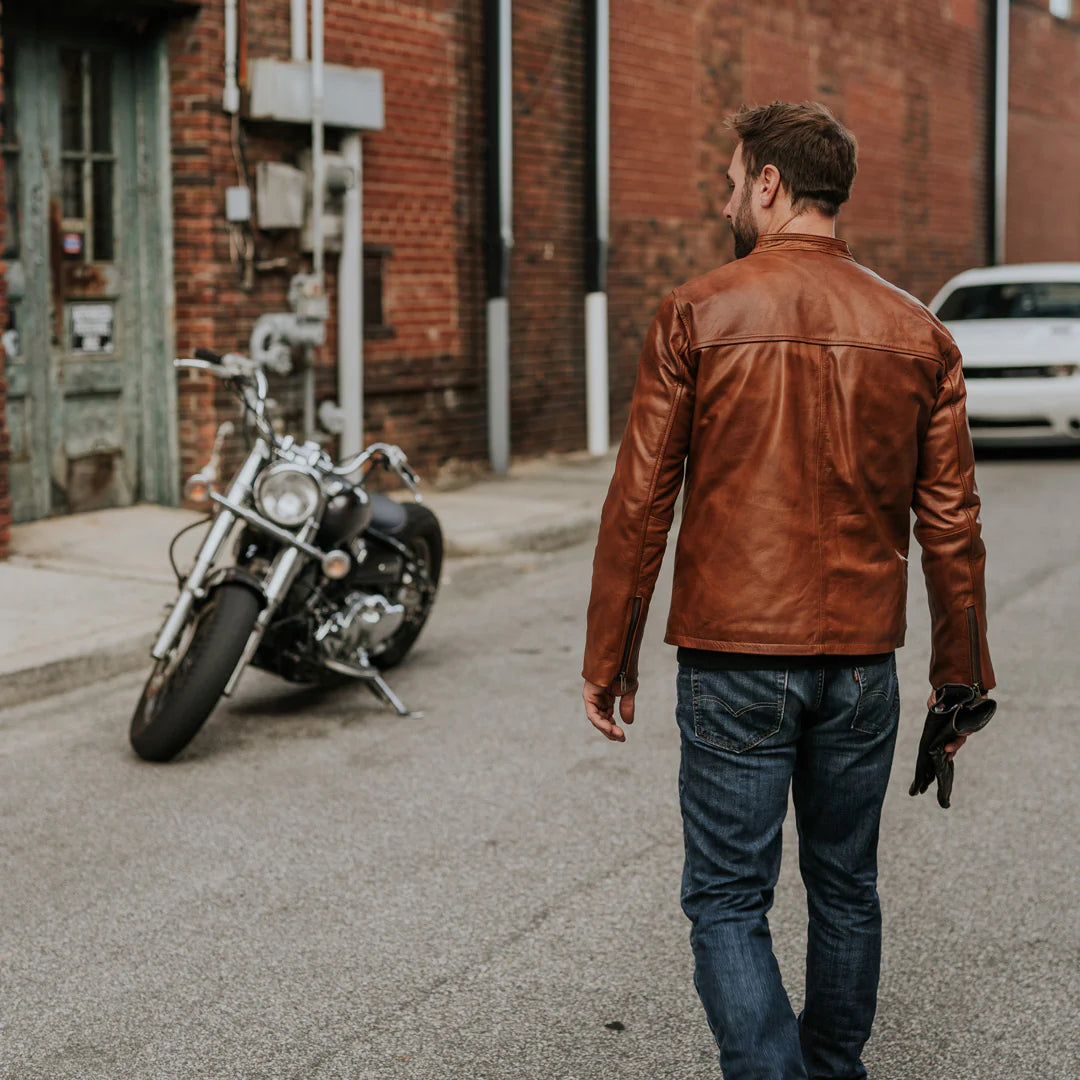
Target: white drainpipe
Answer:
pixel 596 302
pixel 1001 126
pixel 318 185
pixel 230 99
pixel 298 23
pixel 350 304
pixel 318 161
pixel 498 305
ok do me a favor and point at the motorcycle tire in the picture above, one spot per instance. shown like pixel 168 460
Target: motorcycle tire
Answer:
pixel 423 535
pixel 184 688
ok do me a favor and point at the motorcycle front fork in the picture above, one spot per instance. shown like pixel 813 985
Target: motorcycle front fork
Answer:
pixel 285 568
pixel 192 589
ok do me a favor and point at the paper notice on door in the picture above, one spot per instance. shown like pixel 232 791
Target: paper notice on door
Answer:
pixel 91 328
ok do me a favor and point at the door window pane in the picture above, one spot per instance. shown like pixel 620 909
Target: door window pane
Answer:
pixel 10 142
pixel 11 196
pixel 71 100
pixel 100 103
pixel 103 211
pixel 10 134
pixel 74 202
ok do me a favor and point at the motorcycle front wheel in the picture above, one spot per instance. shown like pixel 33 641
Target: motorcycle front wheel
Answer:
pixel 184 687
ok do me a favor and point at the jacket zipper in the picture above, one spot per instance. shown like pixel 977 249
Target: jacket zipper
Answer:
pixel 973 641
pixel 635 613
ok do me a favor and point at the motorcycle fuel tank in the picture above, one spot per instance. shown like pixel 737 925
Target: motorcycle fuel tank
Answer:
pixel 347 515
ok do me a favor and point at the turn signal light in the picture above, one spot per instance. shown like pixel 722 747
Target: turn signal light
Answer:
pixel 197 489
pixel 336 565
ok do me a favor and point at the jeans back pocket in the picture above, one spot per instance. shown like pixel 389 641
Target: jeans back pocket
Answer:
pixel 879 695
pixel 737 710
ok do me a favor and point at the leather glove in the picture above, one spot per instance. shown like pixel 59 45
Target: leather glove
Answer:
pixel 957 710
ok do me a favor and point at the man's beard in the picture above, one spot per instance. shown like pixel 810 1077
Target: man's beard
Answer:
pixel 743 227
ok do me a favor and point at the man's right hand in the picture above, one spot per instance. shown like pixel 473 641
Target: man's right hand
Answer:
pixel 600 709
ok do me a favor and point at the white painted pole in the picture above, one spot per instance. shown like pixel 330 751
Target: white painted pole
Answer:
pixel 597 390
pixel 1001 127
pixel 350 304
pixel 318 192
pixel 498 383
pixel 230 100
pixel 596 369
pixel 318 162
pixel 298 25
pixel 498 308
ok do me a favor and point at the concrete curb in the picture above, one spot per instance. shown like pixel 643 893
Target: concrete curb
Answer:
pixel 69 673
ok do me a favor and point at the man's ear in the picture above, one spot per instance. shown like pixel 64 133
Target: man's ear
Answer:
pixel 768 184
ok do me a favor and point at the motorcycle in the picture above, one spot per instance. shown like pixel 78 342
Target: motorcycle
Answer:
pixel 326 582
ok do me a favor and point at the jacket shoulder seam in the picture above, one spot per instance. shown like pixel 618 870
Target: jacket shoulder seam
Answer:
pixel 749 339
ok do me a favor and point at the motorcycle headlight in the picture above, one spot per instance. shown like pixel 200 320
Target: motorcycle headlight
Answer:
pixel 287 496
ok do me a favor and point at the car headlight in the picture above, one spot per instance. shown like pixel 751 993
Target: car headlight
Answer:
pixel 287 495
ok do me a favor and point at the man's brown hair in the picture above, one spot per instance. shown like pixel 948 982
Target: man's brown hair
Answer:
pixel 813 152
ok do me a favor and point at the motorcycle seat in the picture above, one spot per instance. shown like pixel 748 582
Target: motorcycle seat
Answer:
pixel 387 515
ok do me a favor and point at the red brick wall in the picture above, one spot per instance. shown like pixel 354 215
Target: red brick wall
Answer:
pixel 547 269
pixel 422 195
pixel 1042 222
pixel 5 445
pixel 909 78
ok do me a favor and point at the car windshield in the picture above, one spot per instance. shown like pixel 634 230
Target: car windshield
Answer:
pixel 1013 300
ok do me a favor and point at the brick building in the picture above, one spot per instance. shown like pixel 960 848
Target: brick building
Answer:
pixel 117 154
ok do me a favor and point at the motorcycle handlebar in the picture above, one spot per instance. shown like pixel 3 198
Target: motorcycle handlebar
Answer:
pixel 234 366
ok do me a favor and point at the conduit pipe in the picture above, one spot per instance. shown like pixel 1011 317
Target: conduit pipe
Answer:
pixel 318 160
pixel 318 194
pixel 499 225
pixel 1000 127
pixel 230 98
pixel 597 180
pixel 350 301
pixel 298 27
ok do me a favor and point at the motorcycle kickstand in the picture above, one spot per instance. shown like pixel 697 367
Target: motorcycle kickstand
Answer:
pixel 381 689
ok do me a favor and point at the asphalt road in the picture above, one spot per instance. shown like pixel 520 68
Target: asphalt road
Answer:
pixel 318 889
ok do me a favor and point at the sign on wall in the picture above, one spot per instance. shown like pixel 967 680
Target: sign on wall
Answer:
pixel 91 328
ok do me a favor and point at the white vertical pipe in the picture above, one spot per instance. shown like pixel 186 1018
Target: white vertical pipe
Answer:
pixel 1001 127
pixel 298 25
pixel 506 124
pixel 498 383
pixel 498 308
pixel 350 304
pixel 318 162
pixel 318 193
pixel 596 372
pixel 597 390
pixel 230 98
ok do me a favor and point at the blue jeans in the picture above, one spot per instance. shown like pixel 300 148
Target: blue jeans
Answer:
pixel 747 735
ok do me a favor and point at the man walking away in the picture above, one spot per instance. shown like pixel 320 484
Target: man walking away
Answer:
pixel 812 405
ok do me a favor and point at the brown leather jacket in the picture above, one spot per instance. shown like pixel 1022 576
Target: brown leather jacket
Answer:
pixel 814 406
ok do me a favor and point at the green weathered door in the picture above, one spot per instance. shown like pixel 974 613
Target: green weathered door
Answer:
pixel 79 285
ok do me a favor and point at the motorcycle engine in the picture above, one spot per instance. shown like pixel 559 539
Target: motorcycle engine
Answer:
pixel 363 621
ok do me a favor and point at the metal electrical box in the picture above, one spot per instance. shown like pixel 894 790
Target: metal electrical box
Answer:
pixel 281 90
pixel 280 195
pixel 339 177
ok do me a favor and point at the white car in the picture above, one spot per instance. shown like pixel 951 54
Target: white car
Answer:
pixel 1018 329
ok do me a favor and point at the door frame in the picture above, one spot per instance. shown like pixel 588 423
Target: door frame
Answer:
pixel 159 453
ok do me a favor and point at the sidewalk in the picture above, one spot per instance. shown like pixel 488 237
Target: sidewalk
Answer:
pixel 83 596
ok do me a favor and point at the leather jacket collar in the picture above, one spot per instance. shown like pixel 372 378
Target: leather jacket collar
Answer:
pixel 803 242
